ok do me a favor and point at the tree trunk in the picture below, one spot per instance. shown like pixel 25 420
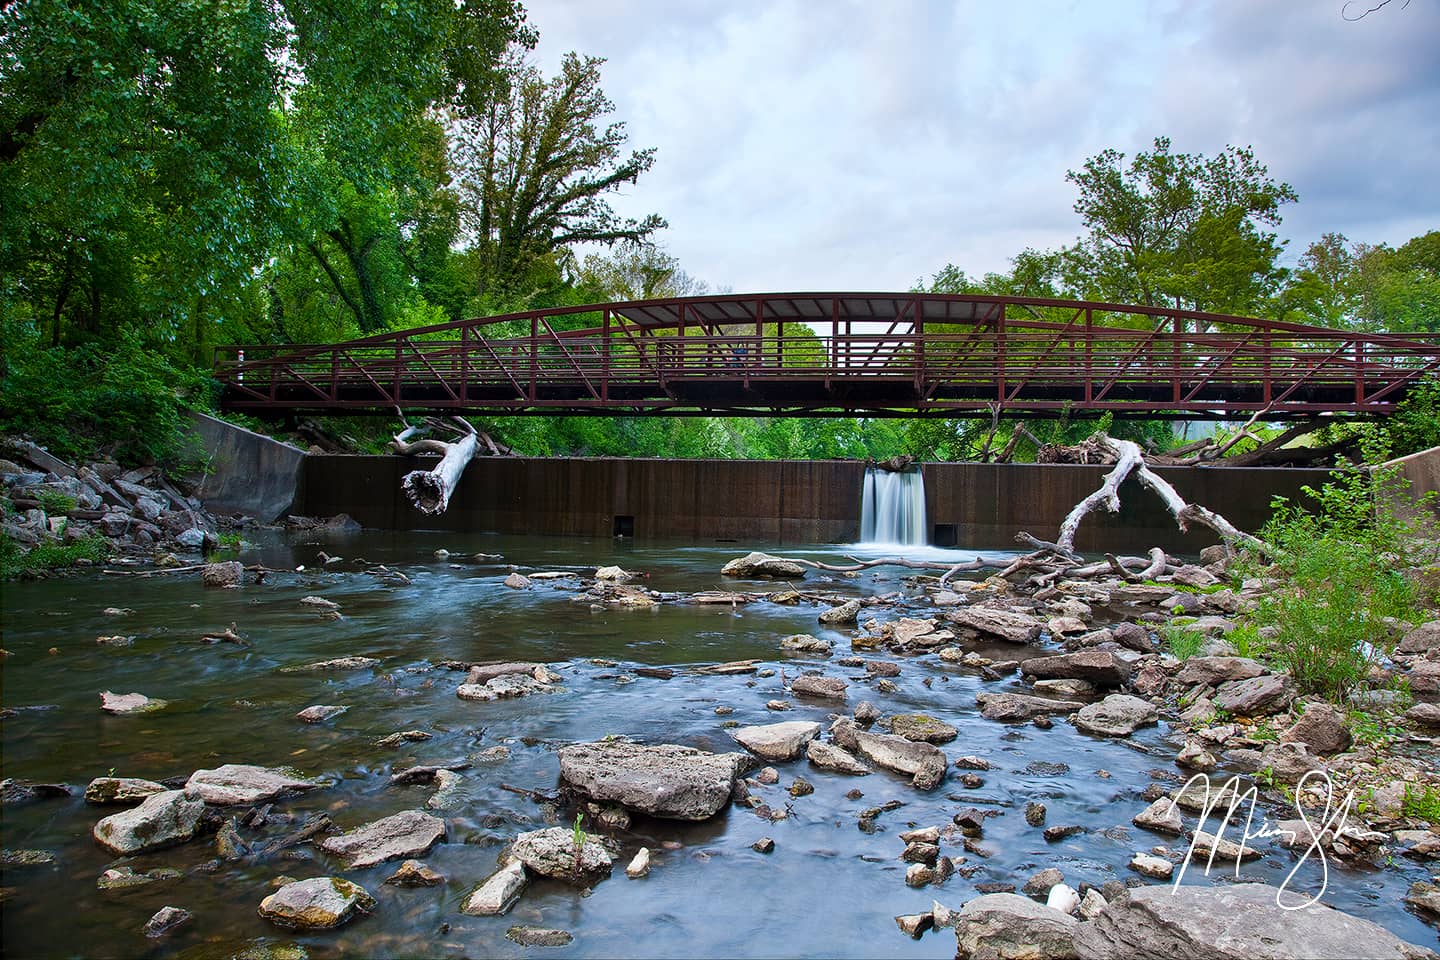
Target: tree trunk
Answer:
pixel 430 490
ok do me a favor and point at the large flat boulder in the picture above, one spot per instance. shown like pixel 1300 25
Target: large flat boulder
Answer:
pixel 923 762
pixel 237 783
pixel 1209 671
pixel 1007 926
pixel 757 565
pixel 666 780
pixel 1005 624
pixel 1100 667
pixel 777 742
pixel 552 852
pixel 1118 715
pixel 1018 707
pixel 316 904
pixel 408 833
pixel 1256 697
pixel 1235 922
pixel 162 820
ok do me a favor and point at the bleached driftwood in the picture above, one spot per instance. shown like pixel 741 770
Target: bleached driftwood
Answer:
pixel 430 490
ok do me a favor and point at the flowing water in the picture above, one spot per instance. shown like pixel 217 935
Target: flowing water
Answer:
pixel 892 507
pixel 828 889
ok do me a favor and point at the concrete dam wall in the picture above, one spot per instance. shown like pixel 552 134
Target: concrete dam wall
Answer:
pixel 976 506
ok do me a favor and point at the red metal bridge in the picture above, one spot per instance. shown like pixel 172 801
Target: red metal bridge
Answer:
pixel 842 354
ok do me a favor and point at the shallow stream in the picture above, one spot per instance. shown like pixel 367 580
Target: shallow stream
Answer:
pixel 828 889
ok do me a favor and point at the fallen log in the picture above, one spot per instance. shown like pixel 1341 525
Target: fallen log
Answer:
pixel 430 490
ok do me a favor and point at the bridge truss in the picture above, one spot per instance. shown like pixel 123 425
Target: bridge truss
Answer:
pixel 842 354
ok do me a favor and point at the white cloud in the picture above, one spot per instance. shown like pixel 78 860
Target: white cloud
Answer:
pixel 851 145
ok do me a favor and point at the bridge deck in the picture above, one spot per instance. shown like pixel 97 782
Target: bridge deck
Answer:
pixel 842 355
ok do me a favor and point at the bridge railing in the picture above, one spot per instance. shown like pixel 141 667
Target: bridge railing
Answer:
pixel 1009 362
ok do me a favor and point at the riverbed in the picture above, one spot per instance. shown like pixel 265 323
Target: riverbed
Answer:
pixel 827 889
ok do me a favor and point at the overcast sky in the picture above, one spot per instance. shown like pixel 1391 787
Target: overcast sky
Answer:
pixel 838 145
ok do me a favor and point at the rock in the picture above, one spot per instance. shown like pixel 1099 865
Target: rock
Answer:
pixel 26 858
pixel 1224 849
pixel 1061 831
pixel 480 673
pixel 1005 624
pixel 1065 688
pixel 1101 667
pixel 337 664
pixel 777 742
pixel 499 891
pixel 922 728
pixel 1118 715
pixel 639 865
pixel 1424 896
pixel 1190 575
pixel 504 687
pixel 1424 677
pixel 1035 814
pixel 613 574
pixel 103 790
pixel 920 851
pixel 237 783
pixel 1162 816
pixel 918 760
pixel 164 920
pixel 914 925
pixel 517 581
pixel 919 874
pixel 1424 715
pixel 824 688
pixel 1257 696
pixel 1421 640
pixel 320 713
pixel 227 574
pixel 413 873
pixel 972 763
pixel 769 776
pixel 846 612
pixel 162 820
pixel 1240 921
pixel 1040 883
pixel 761 565
pixel 1157 868
pixel 125 878
pixel 804 643
pixel 763 845
pixel 1209 671
pixel 828 756
pixel 866 713
pixel 1018 708
pixel 448 785
pixel 1195 757
pixel 801 787
pixel 779 706
pixel 404 834
pixel 1009 926
pixel 317 904
pixel 1289 762
pixel 191 539
pixel 127 703
pixel 538 936
pixel 670 781
pixel 882 668
pixel 1058 626
pixel 1063 897
pixel 1132 636
pixel 551 853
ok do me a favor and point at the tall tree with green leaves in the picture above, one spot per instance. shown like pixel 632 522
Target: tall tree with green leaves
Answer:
pixel 535 169
pixel 1178 229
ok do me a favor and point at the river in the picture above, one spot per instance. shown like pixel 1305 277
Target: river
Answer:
pixel 828 889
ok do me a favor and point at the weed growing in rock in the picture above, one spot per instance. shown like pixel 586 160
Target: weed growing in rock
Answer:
pixel 1423 804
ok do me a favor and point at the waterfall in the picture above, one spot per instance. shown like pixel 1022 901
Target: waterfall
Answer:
pixel 892 507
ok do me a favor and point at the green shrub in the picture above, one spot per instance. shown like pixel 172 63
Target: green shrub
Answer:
pixel 55 503
pixel 1423 803
pixel 16 561
pixel 1341 581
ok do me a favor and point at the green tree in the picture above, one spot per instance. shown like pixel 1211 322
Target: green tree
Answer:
pixel 535 169
pixel 1176 228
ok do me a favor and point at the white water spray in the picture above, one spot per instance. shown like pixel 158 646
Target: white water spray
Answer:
pixel 892 507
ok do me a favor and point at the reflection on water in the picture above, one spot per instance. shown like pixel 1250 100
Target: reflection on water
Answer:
pixel 828 888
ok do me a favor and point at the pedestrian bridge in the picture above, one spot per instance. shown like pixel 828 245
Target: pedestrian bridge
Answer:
pixel 841 354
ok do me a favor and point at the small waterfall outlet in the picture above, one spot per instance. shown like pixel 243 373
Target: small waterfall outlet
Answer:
pixel 892 507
